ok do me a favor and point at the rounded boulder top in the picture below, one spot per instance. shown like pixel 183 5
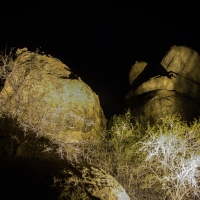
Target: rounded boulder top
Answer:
pixel 184 61
pixel 136 70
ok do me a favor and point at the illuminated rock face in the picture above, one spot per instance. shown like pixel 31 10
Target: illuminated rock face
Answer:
pixel 136 70
pixel 43 96
pixel 175 88
pixel 56 180
pixel 46 97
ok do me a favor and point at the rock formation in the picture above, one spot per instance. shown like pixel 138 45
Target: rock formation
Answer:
pixel 32 169
pixel 23 178
pixel 44 96
pixel 46 112
pixel 175 87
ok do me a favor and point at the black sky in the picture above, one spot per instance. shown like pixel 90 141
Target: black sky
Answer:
pixel 100 40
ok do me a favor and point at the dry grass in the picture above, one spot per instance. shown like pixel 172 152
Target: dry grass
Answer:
pixel 161 162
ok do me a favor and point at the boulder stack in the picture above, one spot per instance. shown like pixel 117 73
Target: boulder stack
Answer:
pixel 175 88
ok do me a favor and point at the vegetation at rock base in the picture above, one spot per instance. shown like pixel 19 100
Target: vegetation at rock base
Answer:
pixel 40 102
pixel 159 162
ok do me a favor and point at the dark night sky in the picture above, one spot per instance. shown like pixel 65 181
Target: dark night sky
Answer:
pixel 100 41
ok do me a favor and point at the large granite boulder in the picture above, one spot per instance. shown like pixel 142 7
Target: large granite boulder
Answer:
pixel 44 96
pixel 25 178
pixel 184 61
pixel 47 115
pixel 31 168
pixel 174 88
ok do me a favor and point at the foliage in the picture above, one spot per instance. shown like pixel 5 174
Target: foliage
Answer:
pixel 114 151
pixel 172 158
pixel 161 162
